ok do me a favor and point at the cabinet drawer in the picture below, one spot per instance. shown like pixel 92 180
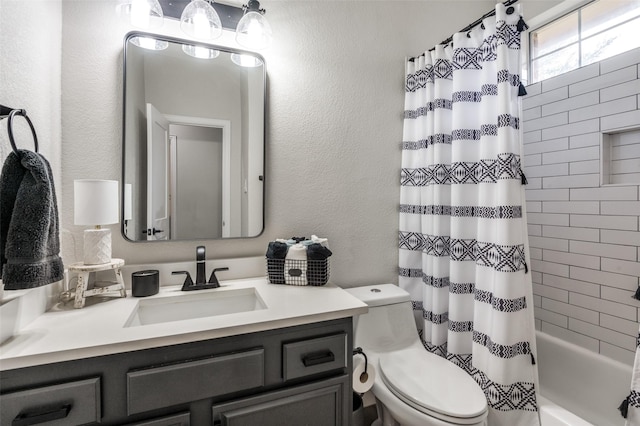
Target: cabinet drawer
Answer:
pixel 314 356
pixel 173 384
pixel 72 403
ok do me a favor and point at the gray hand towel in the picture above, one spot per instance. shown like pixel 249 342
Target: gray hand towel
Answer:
pixel 29 236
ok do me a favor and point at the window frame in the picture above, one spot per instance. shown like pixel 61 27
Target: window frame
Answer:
pixel 557 12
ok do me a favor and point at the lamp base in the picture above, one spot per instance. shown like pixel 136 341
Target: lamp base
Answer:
pixel 97 246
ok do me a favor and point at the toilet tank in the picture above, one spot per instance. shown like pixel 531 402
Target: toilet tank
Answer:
pixel 389 324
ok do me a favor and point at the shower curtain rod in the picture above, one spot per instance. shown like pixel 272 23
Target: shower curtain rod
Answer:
pixel 479 20
pixel 475 23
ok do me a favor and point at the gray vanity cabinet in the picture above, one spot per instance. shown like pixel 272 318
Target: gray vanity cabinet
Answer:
pixel 288 376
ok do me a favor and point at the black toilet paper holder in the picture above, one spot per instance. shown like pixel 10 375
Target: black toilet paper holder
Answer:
pixel 359 351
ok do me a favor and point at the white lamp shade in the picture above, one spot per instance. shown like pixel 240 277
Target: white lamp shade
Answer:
pixel 95 202
pixel 128 209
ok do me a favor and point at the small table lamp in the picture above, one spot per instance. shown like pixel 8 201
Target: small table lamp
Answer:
pixel 96 203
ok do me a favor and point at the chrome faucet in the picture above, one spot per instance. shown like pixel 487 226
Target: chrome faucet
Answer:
pixel 201 283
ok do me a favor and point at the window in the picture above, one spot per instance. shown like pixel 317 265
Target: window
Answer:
pixel 595 31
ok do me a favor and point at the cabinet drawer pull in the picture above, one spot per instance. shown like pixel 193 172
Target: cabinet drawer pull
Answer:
pixel 41 415
pixel 318 358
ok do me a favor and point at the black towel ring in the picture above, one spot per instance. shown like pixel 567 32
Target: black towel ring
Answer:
pixel 23 113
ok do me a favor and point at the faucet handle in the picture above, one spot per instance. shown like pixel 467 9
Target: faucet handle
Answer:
pixel 213 279
pixel 188 282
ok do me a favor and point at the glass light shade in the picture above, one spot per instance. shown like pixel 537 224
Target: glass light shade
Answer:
pixel 201 21
pixel 253 31
pixel 150 43
pixel 146 14
pixel 200 52
pixel 95 202
pixel 248 61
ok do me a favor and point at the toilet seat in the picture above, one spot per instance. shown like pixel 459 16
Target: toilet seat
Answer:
pixel 433 385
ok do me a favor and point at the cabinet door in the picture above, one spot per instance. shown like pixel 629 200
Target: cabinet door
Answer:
pixel 324 403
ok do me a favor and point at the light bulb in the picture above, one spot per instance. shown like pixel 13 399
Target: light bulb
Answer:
pixel 201 24
pixel 255 32
pixel 140 13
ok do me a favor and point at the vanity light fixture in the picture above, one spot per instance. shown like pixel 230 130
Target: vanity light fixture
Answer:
pixel 253 30
pixel 95 203
pixel 145 14
pixel 201 21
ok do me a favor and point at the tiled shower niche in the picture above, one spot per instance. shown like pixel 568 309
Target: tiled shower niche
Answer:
pixel 620 157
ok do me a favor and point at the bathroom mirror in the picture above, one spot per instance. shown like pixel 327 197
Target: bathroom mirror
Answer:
pixel 193 141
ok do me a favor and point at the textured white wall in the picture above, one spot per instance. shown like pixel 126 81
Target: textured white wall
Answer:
pixel 334 122
pixel 30 40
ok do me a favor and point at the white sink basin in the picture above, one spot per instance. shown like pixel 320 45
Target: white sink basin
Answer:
pixel 197 304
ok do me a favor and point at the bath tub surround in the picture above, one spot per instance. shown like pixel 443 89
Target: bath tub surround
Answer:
pixel 587 384
pixel 552 414
pixel 579 387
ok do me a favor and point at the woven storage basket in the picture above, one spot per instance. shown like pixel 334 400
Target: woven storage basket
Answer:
pixel 298 272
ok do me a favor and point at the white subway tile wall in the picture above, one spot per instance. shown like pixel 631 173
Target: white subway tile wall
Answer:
pixel 584 237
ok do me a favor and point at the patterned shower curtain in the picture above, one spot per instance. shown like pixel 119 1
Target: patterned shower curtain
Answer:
pixel 463 235
pixel 630 407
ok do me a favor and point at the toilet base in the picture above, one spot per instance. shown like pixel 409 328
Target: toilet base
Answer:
pixel 384 416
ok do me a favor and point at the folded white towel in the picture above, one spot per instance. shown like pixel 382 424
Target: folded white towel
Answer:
pixel 297 252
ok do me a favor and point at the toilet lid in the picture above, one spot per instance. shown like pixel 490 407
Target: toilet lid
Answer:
pixel 433 385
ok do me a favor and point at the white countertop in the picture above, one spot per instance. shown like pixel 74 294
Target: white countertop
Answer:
pixel 64 333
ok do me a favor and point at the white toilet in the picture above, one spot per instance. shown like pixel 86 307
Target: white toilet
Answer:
pixel 412 386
